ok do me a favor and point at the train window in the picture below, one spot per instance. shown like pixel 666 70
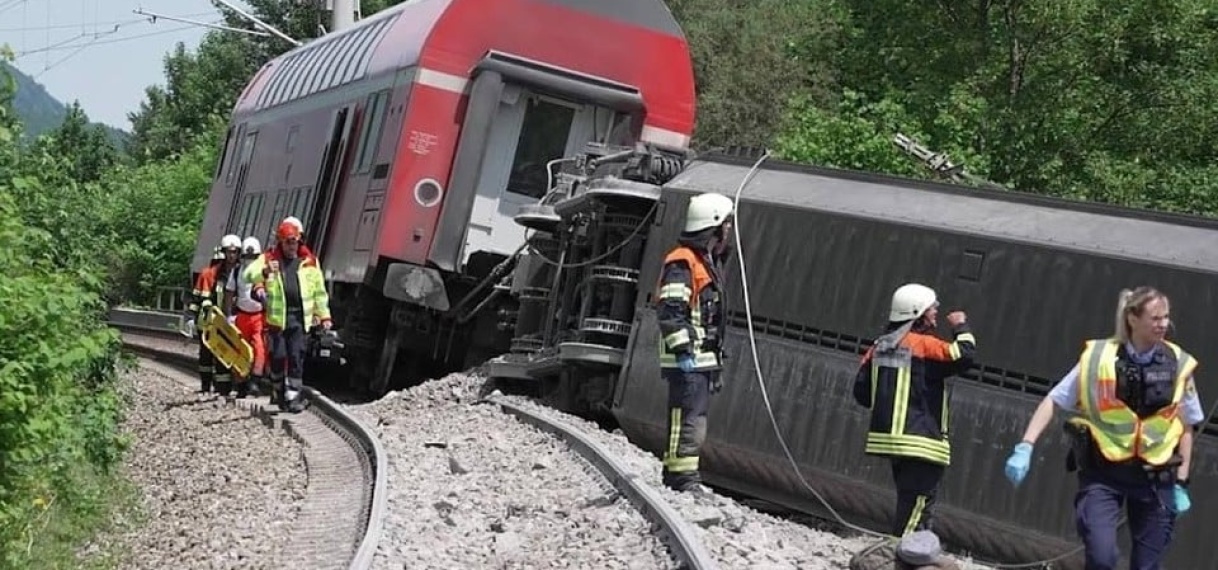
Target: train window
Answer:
pixel 228 138
pixel 374 113
pixel 543 137
pixel 232 164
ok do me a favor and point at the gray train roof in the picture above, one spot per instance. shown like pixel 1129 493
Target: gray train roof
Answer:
pixel 1145 239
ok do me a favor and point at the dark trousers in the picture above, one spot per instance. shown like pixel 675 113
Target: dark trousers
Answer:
pixel 287 352
pixel 207 370
pixel 688 404
pixel 287 366
pixel 211 371
pixel 1097 513
pixel 917 484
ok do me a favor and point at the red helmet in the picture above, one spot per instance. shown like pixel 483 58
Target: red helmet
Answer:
pixel 287 230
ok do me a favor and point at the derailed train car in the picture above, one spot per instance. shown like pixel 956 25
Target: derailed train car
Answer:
pixel 406 142
pixel 823 251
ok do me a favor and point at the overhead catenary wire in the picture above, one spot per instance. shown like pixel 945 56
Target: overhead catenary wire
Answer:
pixel 752 338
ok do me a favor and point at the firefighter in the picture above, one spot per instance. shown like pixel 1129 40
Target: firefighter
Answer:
pixel 294 296
pixel 690 312
pixel 902 379
pixel 248 316
pixel 208 291
pixel 1135 382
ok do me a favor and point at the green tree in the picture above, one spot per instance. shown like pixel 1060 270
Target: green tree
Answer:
pixel 84 146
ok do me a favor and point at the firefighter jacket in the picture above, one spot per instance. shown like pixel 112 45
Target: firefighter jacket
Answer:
pixel 1131 410
pixel 209 290
pixel 903 380
pixel 690 308
pixel 313 296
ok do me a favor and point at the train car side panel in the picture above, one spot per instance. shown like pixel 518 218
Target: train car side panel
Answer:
pixel 809 264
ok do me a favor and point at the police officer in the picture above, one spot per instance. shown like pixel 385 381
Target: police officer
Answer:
pixel 208 291
pixel 1136 407
pixel 690 313
pixel 902 379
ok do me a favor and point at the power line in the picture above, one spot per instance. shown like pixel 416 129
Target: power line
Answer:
pixel 97 42
pixel 97 24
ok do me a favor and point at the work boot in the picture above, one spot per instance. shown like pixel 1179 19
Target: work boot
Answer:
pixel 204 385
pixel 253 386
pixel 223 389
pixel 243 389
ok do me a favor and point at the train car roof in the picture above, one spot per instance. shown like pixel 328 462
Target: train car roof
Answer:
pixel 1184 241
pixel 396 37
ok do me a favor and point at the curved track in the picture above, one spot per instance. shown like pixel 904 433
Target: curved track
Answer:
pixel 337 507
pixel 327 499
pixel 680 535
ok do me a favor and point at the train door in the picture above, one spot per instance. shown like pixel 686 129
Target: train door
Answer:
pixel 329 178
pixel 528 131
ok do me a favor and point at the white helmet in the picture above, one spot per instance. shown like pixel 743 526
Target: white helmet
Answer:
pixel 295 222
pixel 230 241
pixel 251 246
pixel 910 301
pixel 707 211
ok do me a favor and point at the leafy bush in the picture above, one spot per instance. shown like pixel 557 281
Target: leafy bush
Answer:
pixel 59 410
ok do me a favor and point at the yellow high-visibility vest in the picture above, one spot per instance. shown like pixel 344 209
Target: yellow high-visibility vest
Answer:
pixel 1116 429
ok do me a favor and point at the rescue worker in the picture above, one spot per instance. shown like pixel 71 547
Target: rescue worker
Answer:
pixel 902 379
pixel 248 316
pixel 294 297
pixel 1136 408
pixel 690 312
pixel 208 291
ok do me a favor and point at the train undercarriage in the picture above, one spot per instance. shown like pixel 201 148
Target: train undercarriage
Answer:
pixel 556 316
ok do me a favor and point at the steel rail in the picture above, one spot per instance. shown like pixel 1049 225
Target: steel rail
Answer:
pixel 683 540
pixel 165 325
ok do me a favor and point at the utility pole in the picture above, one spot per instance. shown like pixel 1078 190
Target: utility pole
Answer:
pixel 342 14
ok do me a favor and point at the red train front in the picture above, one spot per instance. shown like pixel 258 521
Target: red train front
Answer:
pixel 408 142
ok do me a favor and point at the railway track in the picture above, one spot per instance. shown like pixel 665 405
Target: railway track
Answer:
pixel 338 509
pixel 336 442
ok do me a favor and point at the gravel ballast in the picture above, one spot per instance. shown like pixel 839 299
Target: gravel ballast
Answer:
pixel 472 487
pixel 448 520
pixel 218 489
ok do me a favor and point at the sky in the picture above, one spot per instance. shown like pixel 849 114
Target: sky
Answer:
pixel 99 51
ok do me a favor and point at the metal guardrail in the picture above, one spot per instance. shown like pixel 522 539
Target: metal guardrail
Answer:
pixel 160 323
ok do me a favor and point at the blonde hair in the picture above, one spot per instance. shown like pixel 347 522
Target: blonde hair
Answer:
pixel 1133 302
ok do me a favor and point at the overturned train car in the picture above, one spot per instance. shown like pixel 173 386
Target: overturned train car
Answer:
pixel 823 251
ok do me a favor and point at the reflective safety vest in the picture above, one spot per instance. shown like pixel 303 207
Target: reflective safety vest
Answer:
pixel 313 296
pixel 694 335
pixel 1116 429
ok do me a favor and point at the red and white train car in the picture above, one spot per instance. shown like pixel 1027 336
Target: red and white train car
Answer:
pixel 407 143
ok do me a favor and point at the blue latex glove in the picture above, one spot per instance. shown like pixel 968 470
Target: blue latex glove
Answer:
pixel 1019 463
pixel 1183 502
pixel 686 362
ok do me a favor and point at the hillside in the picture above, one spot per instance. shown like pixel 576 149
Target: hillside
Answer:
pixel 40 111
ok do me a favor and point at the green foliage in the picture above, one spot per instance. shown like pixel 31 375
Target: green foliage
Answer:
pixel 59 410
pixel 1075 99
pixel 152 216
